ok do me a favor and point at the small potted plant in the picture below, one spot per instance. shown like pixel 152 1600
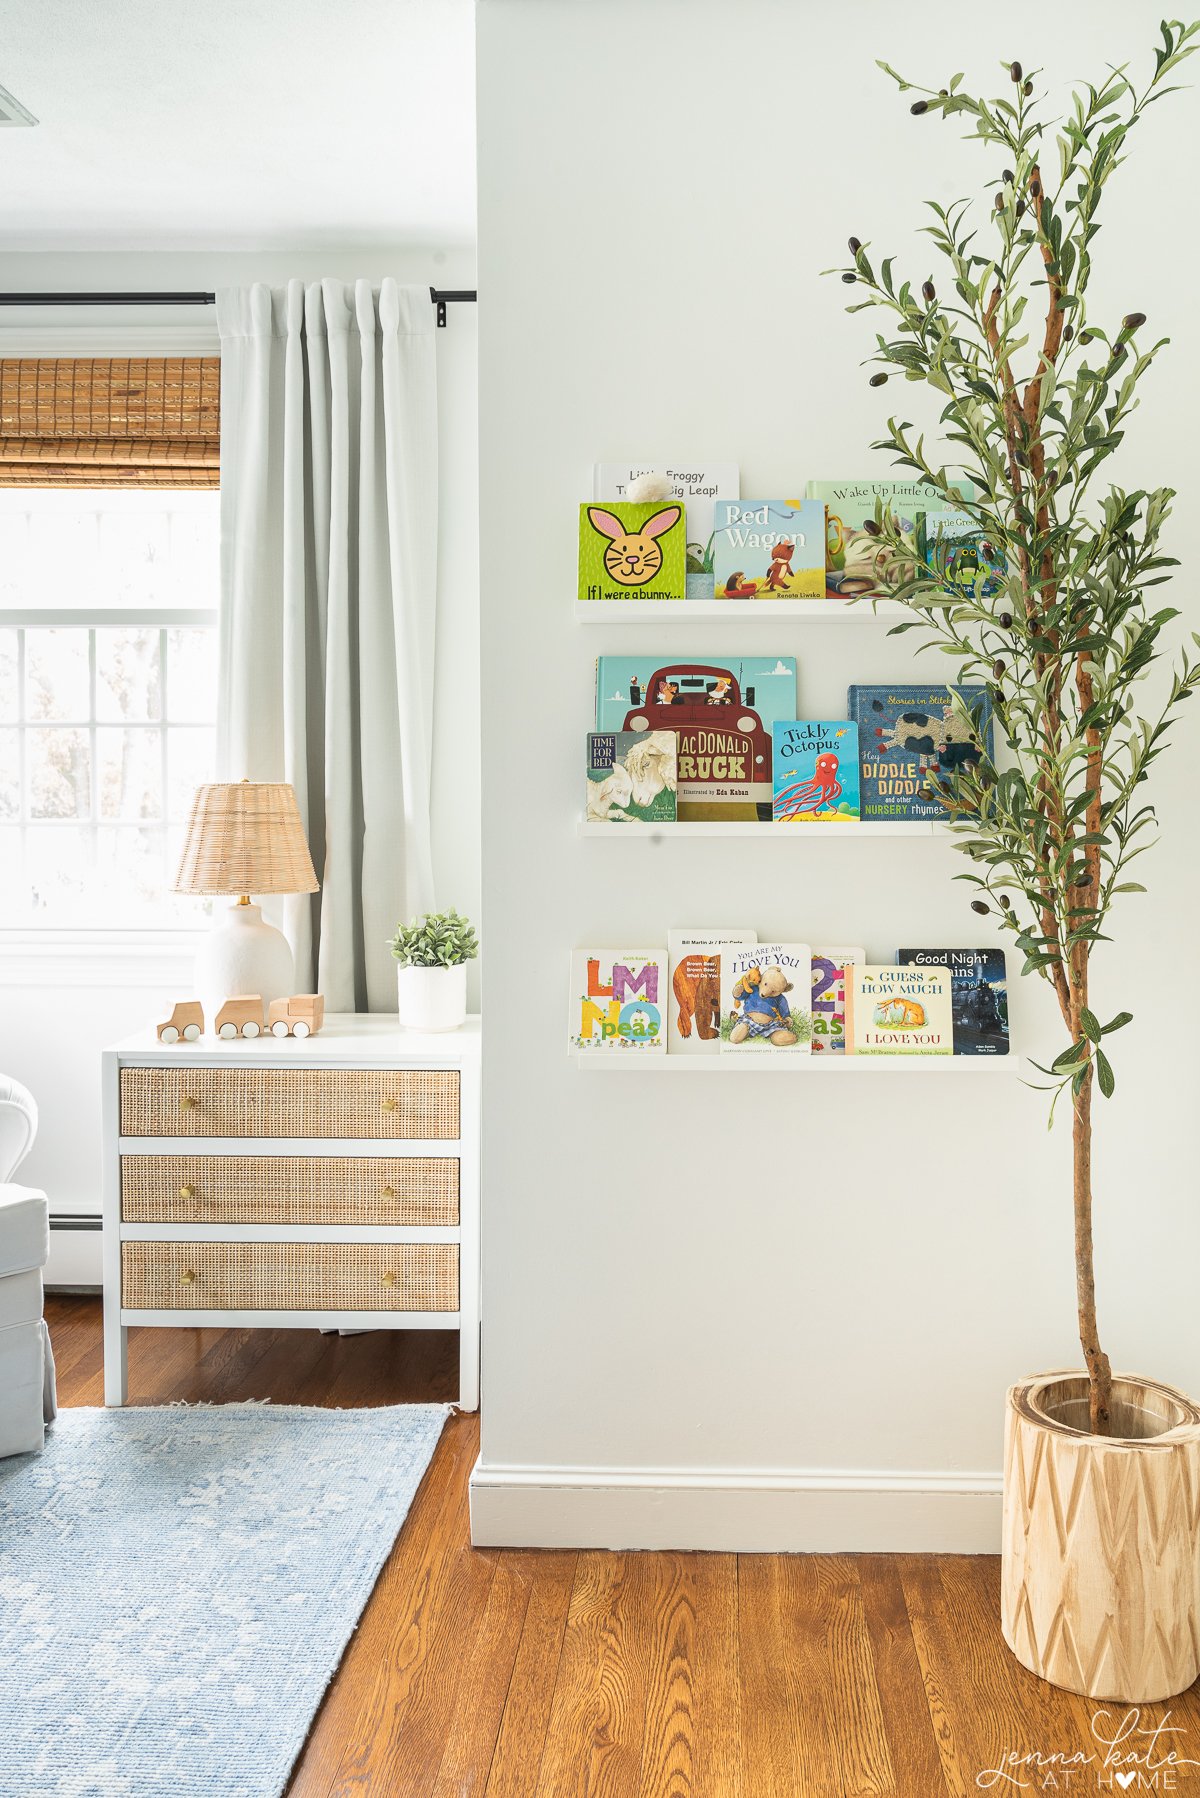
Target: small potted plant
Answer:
pixel 432 953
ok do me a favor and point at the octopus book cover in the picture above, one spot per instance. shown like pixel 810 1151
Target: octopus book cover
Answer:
pixel 768 549
pixel 766 999
pixel 978 995
pixel 829 997
pixel 815 764
pixel 906 732
pixel 852 553
pixel 898 1011
pixel 617 1002
pixel 631 777
pixel 632 552
pixel 694 1006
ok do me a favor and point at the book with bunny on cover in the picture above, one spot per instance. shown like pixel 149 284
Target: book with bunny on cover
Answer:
pixel 632 551
pixel 694 1007
pixel 616 1003
pixel 898 1011
pixel 766 998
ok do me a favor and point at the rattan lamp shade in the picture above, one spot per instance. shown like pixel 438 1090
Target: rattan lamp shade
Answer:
pixel 245 837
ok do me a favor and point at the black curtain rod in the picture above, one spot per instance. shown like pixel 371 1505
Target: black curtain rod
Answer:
pixel 440 296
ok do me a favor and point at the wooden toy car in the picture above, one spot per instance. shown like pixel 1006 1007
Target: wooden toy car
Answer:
pixel 301 1015
pixel 241 1016
pixel 186 1021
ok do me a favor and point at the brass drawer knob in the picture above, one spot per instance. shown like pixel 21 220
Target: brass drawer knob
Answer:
pixel 389 1192
pixel 187 1277
pixel 389 1278
pixel 187 1192
pixel 389 1104
pixel 188 1102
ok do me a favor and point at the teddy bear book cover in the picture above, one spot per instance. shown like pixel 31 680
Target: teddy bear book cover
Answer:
pixel 908 734
pixel 767 999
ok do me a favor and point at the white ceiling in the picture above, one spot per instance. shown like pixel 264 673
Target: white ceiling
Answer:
pixel 178 124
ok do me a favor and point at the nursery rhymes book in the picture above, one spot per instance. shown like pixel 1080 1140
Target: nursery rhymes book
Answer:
pixel 768 549
pixel 978 995
pixel 617 1000
pixel 898 1011
pixel 721 711
pixel 631 777
pixel 766 996
pixel 829 997
pixel 631 552
pixel 964 558
pixel 695 485
pixel 906 732
pixel 815 768
pixel 694 1004
pixel 852 564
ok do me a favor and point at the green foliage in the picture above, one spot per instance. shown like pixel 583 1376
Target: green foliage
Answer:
pixel 441 939
pixel 1031 417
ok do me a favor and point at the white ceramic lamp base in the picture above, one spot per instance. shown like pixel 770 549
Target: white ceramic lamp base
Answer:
pixel 242 954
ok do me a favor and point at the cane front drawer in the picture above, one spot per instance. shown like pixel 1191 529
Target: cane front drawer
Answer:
pixel 289 1276
pixel 289 1189
pixel 366 1103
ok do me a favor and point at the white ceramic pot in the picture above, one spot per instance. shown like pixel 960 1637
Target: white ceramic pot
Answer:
pixel 432 998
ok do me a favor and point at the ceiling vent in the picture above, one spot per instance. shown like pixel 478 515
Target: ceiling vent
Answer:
pixel 12 112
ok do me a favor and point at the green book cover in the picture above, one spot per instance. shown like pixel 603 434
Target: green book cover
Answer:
pixel 851 553
pixel 632 552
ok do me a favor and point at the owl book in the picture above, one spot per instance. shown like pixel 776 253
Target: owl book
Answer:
pixel 631 551
pixel 694 1003
pixel 829 997
pixel 815 770
pixel 898 1011
pixel 853 565
pixel 978 995
pixel 766 999
pixel 617 1002
pixel 766 549
pixel 907 733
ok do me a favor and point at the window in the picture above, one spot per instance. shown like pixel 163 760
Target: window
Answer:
pixel 107 700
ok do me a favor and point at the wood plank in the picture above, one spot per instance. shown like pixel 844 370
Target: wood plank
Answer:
pixel 517 1756
pixel 773 1708
pixel 594 1743
pixel 907 1715
pixel 691 1745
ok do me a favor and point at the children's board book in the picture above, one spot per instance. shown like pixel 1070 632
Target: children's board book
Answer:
pixel 618 999
pixel 694 1007
pixel 766 999
pixel 768 549
pixel 816 771
pixel 965 559
pixel 829 997
pixel 903 734
pixel 631 777
pixel 631 552
pixel 721 712
pixel 696 486
pixel 978 995
pixel 852 554
pixel 898 1011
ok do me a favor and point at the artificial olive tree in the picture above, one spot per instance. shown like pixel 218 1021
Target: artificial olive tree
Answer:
pixel 1033 415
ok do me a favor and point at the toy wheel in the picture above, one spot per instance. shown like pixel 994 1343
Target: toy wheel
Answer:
pixel 252 1029
pixel 227 1031
pixel 301 1029
pixel 191 1033
pixel 279 1028
pixel 168 1034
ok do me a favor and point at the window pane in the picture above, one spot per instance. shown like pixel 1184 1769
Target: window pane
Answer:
pixel 81 547
pixel 195 549
pixel 58 869
pixel 61 569
pixel 60 775
pixel 129 773
pixel 14 894
pixel 190 758
pixel 56 675
pixel 8 675
pixel 191 676
pixel 131 877
pixel 128 675
pixel 15 558
pixel 133 567
pixel 10 775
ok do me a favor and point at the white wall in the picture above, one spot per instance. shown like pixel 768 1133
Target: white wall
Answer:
pixel 61 1065
pixel 754 1314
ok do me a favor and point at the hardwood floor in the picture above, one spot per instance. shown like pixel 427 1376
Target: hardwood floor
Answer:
pixel 527 1674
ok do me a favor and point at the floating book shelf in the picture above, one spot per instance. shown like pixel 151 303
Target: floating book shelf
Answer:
pixel 784 833
pixel 799 1066
pixel 767 611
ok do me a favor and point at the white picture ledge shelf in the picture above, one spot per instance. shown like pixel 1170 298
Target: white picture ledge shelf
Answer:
pixel 695 611
pixel 819 1067
pixel 745 828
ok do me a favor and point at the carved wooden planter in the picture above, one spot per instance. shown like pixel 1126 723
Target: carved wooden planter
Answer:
pixel 1100 1578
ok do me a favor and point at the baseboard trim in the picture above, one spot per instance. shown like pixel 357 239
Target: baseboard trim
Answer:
pixel 825 1511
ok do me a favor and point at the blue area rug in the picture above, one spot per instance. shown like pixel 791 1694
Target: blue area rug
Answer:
pixel 177 1584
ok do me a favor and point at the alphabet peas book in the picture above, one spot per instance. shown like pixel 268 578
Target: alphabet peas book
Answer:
pixel 632 552
pixel 769 549
pixel 617 1002
pixel 815 767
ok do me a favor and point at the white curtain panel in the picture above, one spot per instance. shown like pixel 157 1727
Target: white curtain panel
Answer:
pixel 329 583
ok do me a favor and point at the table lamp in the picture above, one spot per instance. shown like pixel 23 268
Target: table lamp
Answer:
pixel 244 837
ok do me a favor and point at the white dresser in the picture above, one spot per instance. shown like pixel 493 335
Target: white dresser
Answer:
pixel 331 1182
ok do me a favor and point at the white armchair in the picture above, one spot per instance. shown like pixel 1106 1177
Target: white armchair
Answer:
pixel 27 1397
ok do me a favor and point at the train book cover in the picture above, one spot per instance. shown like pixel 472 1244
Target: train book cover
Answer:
pixel 768 549
pixel 978 995
pixel 617 1001
pixel 815 763
pixel 907 734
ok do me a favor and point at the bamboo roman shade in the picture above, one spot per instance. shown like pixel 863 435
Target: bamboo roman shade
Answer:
pixel 110 422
